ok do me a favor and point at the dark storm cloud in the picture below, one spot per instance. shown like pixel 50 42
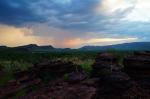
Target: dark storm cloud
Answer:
pixel 76 15
pixel 17 12
pixel 55 12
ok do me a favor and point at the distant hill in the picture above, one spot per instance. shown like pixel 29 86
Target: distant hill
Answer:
pixel 137 46
pixel 3 47
pixel 27 48
pixel 34 47
pixel 12 49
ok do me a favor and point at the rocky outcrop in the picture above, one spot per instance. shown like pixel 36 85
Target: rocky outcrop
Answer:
pixel 113 82
pixel 40 72
pixel 55 69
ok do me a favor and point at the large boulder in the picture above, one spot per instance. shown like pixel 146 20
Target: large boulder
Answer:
pixel 47 70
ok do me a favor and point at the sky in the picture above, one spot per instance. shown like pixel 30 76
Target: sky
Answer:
pixel 73 23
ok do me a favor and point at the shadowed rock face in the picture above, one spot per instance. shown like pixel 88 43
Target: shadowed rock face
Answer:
pixel 138 65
